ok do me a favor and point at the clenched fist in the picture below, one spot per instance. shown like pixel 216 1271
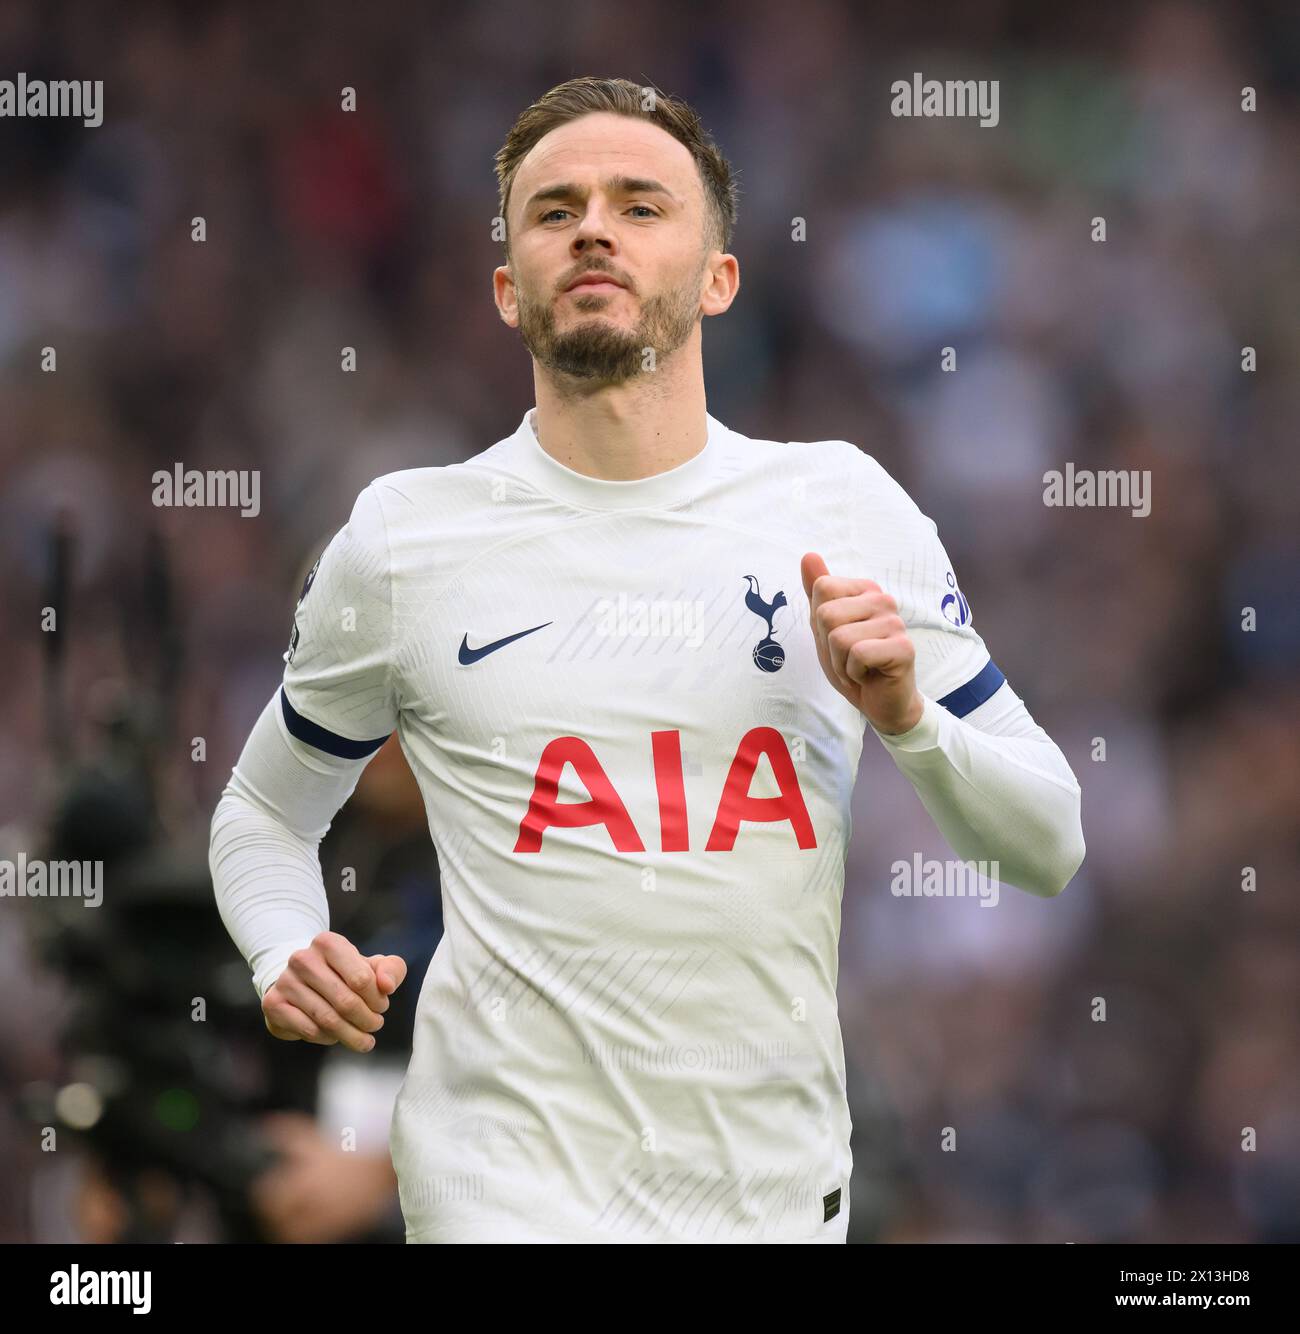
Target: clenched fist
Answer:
pixel 330 992
pixel 863 646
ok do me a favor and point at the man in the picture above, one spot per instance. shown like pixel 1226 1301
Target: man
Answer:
pixel 634 695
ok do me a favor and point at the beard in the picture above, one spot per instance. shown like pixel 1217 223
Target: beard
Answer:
pixel 595 348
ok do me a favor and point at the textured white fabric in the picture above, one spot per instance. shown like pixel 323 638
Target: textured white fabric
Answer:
pixel 265 840
pixel 998 789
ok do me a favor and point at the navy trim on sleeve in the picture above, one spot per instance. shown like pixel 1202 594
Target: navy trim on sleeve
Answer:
pixel 323 739
pixel 961 701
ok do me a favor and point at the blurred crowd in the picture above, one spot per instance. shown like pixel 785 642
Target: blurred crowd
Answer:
pixel 1116 1064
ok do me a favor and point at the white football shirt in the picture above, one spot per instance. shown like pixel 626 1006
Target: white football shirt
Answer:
pixel 638 781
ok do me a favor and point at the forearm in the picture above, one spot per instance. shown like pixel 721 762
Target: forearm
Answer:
pixel 264 846
pixel 1006 795
pixel 268 885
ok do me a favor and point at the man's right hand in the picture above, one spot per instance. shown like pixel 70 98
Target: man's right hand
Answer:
pixel 330 992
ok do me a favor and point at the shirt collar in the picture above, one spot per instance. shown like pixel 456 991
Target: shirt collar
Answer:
pixel 530 461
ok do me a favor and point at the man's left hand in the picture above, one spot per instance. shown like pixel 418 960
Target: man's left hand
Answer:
pixel 863 646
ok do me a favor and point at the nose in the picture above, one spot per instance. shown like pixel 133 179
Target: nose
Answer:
pixel 593 231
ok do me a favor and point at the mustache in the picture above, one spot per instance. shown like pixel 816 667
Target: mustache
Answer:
pixel 604 272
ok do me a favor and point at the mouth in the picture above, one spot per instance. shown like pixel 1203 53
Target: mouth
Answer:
pixel 595 282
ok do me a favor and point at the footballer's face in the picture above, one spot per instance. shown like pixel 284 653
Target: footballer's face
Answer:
pixel 609 253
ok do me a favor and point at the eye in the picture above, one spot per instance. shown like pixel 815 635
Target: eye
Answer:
pixel 645 208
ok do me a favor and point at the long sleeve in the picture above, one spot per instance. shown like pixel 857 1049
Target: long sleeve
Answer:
pixel 998 788
pixel 994 782
pixel 336 706
pixel 265 839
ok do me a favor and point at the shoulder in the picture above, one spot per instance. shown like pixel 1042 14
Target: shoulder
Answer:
pixel 412 500
pixel 873 496
pixel 838 458
pixel 394 502
pixel 828 460
pixel 361 544
pixel 878 486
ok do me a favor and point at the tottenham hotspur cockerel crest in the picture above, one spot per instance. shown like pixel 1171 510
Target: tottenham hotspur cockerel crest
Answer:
pixel 768 653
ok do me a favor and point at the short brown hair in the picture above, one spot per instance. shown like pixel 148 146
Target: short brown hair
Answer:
pixel 580 97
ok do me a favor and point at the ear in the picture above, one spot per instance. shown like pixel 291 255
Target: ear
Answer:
pixel 505 295
pixel 723 284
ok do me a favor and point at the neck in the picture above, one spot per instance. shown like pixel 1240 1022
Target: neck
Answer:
pixel 622 433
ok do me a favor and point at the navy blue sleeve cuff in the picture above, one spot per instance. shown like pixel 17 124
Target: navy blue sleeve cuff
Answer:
pixel 965 698
pixel 312 734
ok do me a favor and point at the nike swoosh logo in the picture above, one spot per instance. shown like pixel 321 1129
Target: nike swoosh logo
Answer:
pixel 468 655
